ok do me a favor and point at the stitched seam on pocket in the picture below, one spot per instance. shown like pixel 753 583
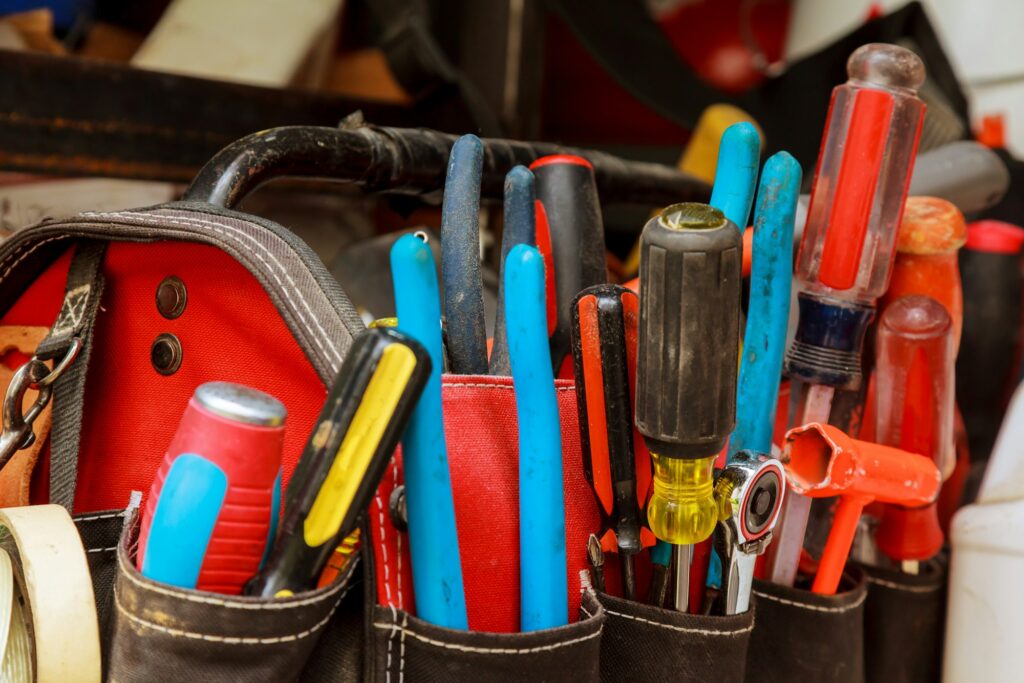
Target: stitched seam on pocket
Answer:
pixel 814 608
pixel 401 650
pixel 489 650
pixel 202 599
pixel 93 518
pixel 503 387
pixel 398 545
pixel 906 589
pixel 391 641
pixel 101 550
pixel 683 629
pixel 231 640
pixel 384 542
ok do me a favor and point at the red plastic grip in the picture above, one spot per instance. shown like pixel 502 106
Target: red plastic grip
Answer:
pixel 849 216
pixel 250 456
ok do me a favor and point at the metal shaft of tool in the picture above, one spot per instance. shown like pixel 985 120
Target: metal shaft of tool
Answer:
pixel 784 552
pixel 737 581
pixel 628 576
pixel 682 559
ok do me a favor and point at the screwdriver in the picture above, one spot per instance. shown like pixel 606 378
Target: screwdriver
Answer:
pixel 931 234
pixel 567 191
pixel 686 368
pixel 460 258
pixel 847 249
pixel 519 228
pixel 355 436
pixel 542 556
pixel 433 537
pixel 914 412
pixel 993 285
pixel 604 329
pixel 213 506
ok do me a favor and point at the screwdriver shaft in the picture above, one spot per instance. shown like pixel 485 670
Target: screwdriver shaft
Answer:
pixel 682 559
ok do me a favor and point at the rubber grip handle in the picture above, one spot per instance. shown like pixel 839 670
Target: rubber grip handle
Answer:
pixel 566 188
pixel 690 282
pixel 519 228
pixel 992 285
pixel 230 434
pixel 771 283
pixel 433 536
pixel 601 364
pixel 460 259
pixel 353 440
pixel 542 552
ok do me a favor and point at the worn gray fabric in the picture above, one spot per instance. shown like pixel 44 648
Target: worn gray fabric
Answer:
pixel 164 633
pixel 82 295
pixel 100 532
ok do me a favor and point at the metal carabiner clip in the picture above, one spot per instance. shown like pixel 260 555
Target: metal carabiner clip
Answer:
pixel 17 425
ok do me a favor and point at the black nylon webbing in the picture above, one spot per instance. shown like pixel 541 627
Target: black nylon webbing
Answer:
pixel 76 318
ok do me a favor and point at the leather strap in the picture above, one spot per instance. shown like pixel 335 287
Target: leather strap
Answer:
pixel 16 475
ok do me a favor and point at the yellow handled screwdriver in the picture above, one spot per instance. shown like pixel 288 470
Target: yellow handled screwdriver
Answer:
pixel 357 432
pixel 690 282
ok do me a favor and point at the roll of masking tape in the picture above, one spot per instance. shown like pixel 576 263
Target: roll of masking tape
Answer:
pixel 47 609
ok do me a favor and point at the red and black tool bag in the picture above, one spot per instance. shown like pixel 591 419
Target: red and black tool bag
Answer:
pixel 262 310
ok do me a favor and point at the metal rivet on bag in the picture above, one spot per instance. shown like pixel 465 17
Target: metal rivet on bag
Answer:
pixel 396 509
pixel 165 354
pixel 171 297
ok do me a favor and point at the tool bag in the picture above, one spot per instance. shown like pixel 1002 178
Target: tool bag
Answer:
pixel 254 305
pixel 242 299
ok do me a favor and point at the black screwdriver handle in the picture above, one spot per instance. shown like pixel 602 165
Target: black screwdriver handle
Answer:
pixel 690 286
pixel 566 188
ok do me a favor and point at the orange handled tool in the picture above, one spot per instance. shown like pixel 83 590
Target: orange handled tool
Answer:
pixel 914 399
pixel 930 236
pixel 821 462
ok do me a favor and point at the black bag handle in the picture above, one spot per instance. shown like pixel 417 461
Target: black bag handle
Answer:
pixel 413 161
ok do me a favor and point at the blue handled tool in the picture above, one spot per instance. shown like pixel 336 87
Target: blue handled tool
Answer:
pixel 433 538
pixel 736 173
pixel 771 280
pixel 460 259
pixel 520 228
pixel 542 563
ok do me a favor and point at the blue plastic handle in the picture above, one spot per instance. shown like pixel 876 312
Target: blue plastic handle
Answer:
pixel 661 553
pixel 736 174
pixel 519 228
pixel 433 538
pixel 543 582
pixel 771 281
pixel 460 258
pixel 186 513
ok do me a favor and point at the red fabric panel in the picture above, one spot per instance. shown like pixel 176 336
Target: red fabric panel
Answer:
pixel 483 443
pixel 230 331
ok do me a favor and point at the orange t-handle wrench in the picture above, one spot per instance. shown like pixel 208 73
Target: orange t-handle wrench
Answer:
pixel 821 462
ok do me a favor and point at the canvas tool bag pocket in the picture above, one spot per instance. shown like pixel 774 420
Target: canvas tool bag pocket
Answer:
pixel 258 308
pixel 804 636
